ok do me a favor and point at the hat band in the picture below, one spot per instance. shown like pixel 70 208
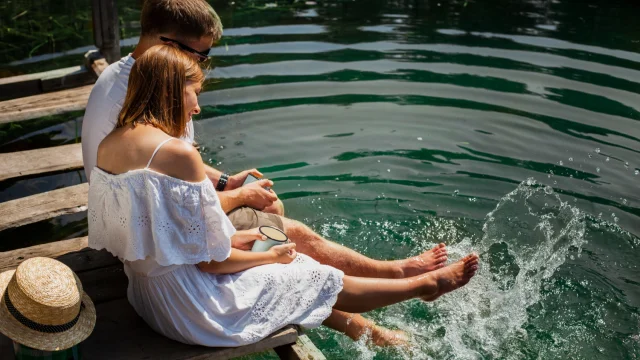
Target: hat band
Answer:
pixel 51 329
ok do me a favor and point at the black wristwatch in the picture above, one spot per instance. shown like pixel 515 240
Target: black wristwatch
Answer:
pixel 222 182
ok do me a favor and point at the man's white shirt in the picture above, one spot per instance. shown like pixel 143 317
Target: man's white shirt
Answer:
pixel 105 103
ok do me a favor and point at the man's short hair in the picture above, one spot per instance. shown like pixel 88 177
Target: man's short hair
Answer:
pixel 190 19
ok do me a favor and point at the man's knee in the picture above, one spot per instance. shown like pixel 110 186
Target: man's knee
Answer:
pixel 297 231
pixel 276 208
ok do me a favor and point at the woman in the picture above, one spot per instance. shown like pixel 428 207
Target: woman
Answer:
pixel 151 205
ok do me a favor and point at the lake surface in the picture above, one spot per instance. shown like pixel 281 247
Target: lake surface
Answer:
pixel 509 128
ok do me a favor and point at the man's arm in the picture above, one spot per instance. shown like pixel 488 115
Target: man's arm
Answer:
pixel 230 200
pixel 253 195
pixel 212 174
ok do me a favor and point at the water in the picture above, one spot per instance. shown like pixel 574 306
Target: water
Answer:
pixel 509 128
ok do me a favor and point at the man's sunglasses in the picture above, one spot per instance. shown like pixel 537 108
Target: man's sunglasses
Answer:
pixel 202 56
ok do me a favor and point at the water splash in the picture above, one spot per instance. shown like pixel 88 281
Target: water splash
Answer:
pixel 526 238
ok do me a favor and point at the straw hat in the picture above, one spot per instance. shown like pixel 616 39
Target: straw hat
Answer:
pixel 44 306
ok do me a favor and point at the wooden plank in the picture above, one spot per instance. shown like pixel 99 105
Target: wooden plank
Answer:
pixel 81 76
pixel 12 80
pixel 32 84
pixel 303 349
pixel 75 253
pixel 121 334
pixel 32 107
pixel 40 161
pixel 69 200
pixel 105 284
pixel 11 259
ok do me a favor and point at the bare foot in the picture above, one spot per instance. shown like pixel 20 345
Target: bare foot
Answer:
pixel 381 336
pixel 452 277
pixel 430 260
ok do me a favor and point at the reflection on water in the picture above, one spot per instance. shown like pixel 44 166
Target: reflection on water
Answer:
pixel 509 128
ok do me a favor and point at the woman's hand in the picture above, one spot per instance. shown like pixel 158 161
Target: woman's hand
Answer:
pixel 244 239
pixel 284 254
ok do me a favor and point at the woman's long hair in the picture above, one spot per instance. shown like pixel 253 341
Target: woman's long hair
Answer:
pixel 155 95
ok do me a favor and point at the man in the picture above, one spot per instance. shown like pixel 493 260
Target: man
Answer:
pixel 193 26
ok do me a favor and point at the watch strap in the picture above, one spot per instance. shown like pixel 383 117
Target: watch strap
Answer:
pixel 222 182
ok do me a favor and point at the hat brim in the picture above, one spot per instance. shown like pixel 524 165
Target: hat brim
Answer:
pixel 21 334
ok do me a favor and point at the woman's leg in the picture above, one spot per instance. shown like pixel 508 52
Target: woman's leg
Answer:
pixel 366 294
pixel 355 326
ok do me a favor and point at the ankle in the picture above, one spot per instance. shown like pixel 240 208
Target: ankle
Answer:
pixel 427 285
pixel 396 269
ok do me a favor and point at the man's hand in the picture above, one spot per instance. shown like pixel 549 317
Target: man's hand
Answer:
pixel 244 239
pixel 236 181
pixel 255 196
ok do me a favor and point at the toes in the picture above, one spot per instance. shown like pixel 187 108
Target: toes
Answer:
pixel 471 270
pixel 439 248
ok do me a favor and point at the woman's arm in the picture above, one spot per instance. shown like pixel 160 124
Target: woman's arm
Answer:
pixel 244 239
pixel 242 260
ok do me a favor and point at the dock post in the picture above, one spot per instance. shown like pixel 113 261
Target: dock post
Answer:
pixel 106 29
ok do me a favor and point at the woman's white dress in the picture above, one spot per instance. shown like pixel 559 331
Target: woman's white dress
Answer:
pixel 160 227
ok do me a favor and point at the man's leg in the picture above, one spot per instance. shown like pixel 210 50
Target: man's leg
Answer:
pixel 330 253
pixel 354 264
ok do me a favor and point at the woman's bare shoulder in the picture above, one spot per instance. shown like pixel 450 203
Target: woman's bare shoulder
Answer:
pixel 181 160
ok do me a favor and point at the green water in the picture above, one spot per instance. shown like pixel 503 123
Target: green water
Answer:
pixel 509 128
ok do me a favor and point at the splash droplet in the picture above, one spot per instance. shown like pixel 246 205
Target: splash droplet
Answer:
pixel 419 139
pixel 570 159
pixel 637 172
pixel 560 163
pixel 607 159
pixel 597 169
pixel 597 150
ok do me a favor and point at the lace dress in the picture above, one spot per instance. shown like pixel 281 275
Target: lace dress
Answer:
pixel 160 227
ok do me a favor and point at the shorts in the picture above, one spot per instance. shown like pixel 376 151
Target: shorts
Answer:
pixel 244 218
